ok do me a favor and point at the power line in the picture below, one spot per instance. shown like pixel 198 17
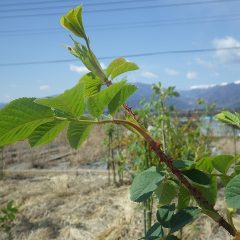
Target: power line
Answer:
pixel 170 52
pixel 70 6
pixel 127 8
pixel 129 25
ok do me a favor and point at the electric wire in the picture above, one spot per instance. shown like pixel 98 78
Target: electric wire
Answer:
pixel 126 8
pixel 137 55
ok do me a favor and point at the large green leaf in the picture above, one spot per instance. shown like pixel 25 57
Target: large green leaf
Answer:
pixel 183 217
pixel 172 237
pixel 232 193
pixel 164 215
pixel 145 183
pixel 120 66
pixel 20 118
pixel 78 132
pixel 155 232
pixel 120 98
pixel 71 101
pixel 232 119
pixel 222 163
pixel 92 84
pixel 183 198
pixel 209 192
pixel 166 192
pixel 183 164
pixel 197 176
pixel 205 164
pixel 98 102
pixel 46 132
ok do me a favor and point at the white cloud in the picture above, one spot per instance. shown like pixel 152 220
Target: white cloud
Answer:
pixel 205 63
pixel 223 84
pixel 237 82
pixel 227 55
pixel 44 88
pixel 171 72
pixel 191 75
pixel 82 69
pixel 148 74
pixel 203 86
pixel 78 69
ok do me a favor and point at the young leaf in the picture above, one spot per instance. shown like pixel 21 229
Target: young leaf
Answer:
pixel 114 65
pixel 145 183
pixel 20 118
pixel 232 193
pixel 155 232
pixel 71 101
pixel 125 67
pixel 232 119
pixel 222 163
pixel 73 22
pixel 98 102
pixel 164 215
pixel 183 217
pixel 46 132
pixel 120 98
pixel 92 85
pixel 78 132
pixel 197 176
pixel 166 192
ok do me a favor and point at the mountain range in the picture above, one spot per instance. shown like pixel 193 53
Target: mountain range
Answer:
pixel 225 96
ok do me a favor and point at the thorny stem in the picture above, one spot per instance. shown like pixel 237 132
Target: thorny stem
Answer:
pixel 202 202
pixel 155 146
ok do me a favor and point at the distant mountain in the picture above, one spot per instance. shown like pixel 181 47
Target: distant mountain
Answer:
pixel 227 96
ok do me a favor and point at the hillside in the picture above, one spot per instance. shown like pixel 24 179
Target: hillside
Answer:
pixel 226 96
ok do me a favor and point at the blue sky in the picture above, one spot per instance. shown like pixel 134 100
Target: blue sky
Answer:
pixel 118 33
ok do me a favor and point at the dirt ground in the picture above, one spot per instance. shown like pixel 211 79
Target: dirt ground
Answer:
pixel 83 207
pixel 80 205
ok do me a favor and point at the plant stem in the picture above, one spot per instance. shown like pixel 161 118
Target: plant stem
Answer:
pixel 202 202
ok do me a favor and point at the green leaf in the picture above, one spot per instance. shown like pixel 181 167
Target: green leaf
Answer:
pixel 92 85
pixel 205 164
pixel 183 164
pixel 164 215
pixel 114 65
pixel 222 163
pixel 183 198
pixel 120 98
pixel 120 66
pixel 232 119
pixel 145 183
pixel 98 102
pixel 172 237
pixel 209 192
pixel 183 217
pixel 71 101
pixel 46 132
pixel 20 118
pixel 155 232
pixel 197 176
pixel 232 193
pixel 78 132
pixel 125 67
pixel 166 192
pixel 73 22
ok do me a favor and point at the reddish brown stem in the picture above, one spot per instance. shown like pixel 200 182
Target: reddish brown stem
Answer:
pixel 175 171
